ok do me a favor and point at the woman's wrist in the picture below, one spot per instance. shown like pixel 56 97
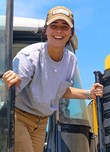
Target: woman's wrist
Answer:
pixel 88 93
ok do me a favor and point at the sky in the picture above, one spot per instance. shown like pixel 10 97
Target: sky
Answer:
pixel 92 27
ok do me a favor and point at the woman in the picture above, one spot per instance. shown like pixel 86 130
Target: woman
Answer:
pixel 42 74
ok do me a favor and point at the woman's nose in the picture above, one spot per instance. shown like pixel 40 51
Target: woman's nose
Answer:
pixel 59 29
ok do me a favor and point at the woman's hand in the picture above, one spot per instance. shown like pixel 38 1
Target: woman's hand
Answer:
pixel 11 78
pixel 96 90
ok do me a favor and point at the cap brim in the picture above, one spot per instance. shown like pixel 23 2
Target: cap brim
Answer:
pixel 60 17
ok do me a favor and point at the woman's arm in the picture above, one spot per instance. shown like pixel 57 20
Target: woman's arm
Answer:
pixel 76 93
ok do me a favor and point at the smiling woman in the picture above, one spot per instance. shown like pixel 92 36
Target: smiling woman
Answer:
pixel 25 34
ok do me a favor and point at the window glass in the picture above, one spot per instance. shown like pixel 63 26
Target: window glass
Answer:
pixel 73 110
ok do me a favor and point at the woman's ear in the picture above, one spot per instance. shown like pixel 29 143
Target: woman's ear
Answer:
pixel 72 32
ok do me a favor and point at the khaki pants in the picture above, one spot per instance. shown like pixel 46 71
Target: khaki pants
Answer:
pixel 30 132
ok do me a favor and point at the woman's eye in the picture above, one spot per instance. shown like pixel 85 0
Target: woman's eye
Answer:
pixel 53 26
pixel 65 27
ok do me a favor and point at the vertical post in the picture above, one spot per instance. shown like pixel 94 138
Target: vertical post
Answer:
pixel 9 34
pixel 101 147
pixel 8 65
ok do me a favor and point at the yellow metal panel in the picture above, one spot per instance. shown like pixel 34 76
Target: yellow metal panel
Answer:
pixel 107 62
pixel 95 120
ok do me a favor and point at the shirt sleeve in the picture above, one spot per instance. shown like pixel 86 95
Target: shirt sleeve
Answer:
pixel 62 89
pixel 23 66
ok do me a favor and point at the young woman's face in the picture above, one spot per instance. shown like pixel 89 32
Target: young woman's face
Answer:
pixel 58 33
